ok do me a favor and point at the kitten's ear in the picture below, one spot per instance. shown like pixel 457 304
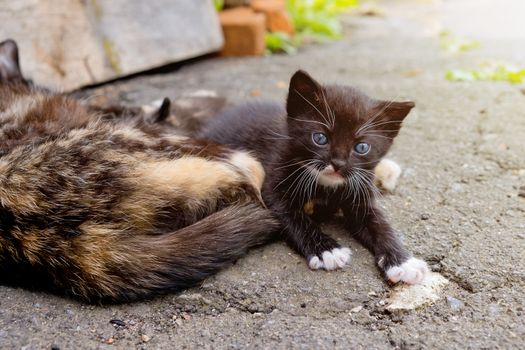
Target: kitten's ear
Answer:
pixel 303 94
pixel 163 112
pixel 397 110
pixel 392 114
pixel 9 64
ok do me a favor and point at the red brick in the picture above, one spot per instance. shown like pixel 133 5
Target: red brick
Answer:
pixel 244 32
pixel 277 18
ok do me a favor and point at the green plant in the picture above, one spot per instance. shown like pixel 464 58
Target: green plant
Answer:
pixel 319 18
pixel 451 43
pixel 280 42
pixel 489 72
pixel 219 4
pixel 313 20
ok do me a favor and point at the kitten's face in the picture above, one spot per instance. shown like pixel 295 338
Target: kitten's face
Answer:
pixel 338 133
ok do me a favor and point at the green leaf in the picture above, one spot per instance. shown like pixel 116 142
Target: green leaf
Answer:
pixel 219 4
pixel 279 42
pixel 488 72
pixel 451 43
pixel 319 19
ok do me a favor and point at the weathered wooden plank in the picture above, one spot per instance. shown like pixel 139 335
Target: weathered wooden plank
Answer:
pixel 68 44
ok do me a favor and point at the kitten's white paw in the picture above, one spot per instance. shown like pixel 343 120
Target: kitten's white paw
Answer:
pixel 331 259
pixel 411 271
pixel 315 263
pixel 387 174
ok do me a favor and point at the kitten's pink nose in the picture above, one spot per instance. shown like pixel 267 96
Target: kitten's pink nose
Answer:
pixel 337 164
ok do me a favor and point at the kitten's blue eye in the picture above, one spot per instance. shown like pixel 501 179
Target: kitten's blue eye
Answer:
pixel 319 138
pixel 362 148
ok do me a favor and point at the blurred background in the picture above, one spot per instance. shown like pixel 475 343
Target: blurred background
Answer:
pixel 71 44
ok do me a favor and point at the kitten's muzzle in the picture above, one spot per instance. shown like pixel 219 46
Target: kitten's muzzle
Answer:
pixel 330 170
pixel 337 165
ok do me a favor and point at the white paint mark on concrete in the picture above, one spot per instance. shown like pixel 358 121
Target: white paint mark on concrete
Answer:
pixel 410 297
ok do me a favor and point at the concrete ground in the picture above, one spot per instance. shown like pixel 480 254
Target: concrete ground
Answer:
pixel 457 205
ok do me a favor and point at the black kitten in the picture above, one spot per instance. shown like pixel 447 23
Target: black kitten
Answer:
pixel 319 156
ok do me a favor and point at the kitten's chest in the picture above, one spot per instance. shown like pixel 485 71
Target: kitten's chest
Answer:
pixel 322 207
pixel 329 200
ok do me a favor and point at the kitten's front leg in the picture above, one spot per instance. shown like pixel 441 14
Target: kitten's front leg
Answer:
pixel 369 226
pixel 305 236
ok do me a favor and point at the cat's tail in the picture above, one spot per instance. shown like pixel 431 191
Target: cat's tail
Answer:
pixel 145 265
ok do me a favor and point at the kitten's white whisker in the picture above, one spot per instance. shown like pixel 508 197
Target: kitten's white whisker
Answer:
pixel 311 121
pixel 366 163
pixel 302 167
pixel 329 111
pixel 376 125
pixel 372 190
pixel 289 165
pixel 378 113
pixel 284 137
pixel 296 170
pixel 362 189
pixel 311 150
pixel 298 189
pixel 381 136
pixel 311 104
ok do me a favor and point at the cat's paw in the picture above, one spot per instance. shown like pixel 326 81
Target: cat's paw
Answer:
pixel 387 174
pixel 331 259
pixel 412 271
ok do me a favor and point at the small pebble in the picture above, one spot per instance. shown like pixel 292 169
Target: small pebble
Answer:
pixel 110 340
pixel 118 323
pixel 281 85
pixel 356 309
pixel 494 310
pixel 425 216
pixel 457 188
pixel 145 338
pixel 455 304
pixel 521 192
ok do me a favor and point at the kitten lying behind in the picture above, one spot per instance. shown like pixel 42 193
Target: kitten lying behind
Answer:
pixel 319 155
pixel 115 211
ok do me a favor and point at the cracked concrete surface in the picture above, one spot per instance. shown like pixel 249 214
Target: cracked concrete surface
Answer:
pixel 457 206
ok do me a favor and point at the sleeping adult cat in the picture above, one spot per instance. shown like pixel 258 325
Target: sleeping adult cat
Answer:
pixel 115 210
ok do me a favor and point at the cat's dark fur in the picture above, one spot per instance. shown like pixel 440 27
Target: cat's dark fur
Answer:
pixel 115 210
pixel 302 175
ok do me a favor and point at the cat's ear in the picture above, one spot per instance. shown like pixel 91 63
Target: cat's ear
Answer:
pixel 9 64
pixel 163 112
pixel 397 110
pixel 392 114
pixel 303 94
